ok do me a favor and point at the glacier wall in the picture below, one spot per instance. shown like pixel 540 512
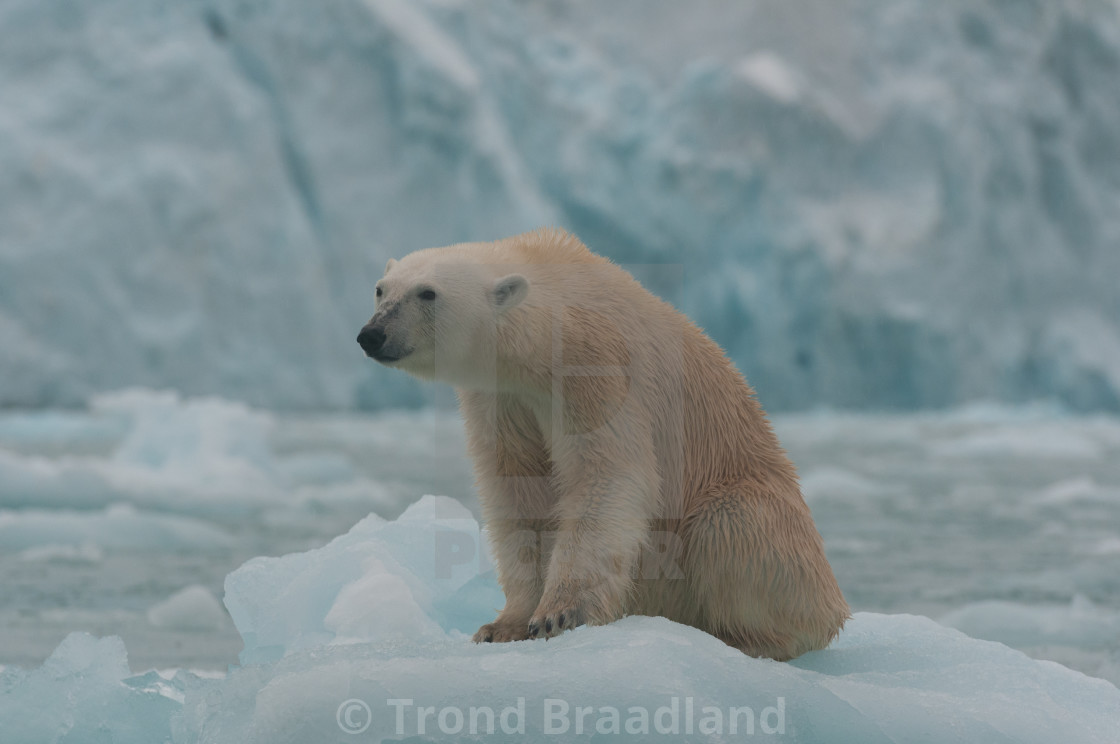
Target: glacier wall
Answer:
pixel 888 205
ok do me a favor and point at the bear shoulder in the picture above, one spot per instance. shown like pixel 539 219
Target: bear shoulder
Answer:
pixel 549 245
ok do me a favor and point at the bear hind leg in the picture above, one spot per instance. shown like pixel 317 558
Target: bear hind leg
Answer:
pixel 757 572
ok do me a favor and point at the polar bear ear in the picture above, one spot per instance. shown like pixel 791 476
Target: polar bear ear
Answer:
pixel 510 290
pixel 391 263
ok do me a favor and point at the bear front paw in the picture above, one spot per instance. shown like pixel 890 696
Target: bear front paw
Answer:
pixel 501 632
pixel 553 623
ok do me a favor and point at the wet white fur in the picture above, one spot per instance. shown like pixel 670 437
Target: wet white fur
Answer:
pixel 623 463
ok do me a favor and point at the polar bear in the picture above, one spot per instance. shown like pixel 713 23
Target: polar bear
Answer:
pixel 623 464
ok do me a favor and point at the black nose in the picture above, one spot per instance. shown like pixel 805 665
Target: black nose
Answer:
pixel 371 339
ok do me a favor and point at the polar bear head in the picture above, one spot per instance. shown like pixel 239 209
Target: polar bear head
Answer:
pixel 437 312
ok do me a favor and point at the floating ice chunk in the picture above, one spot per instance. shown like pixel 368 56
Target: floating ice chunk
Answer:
pixel 167 430
pixel 118 527
pixel 317 468
pixel 201 455
pixel 1107 546
pixel 886 679
pixel 353 638
pixel 373 580
pixel 84 553
pixel 1021 441
pixel 192 608
pixel 834 483
pixel 80 694
pixel 74 482
pixel 1066 492
pixel 204 442
pixel 382 588
pixel 1080 623
pixel 49 430
pixel 378 605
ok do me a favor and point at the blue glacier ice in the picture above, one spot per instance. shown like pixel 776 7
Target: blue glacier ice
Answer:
pixel 368 635
pixel 894 205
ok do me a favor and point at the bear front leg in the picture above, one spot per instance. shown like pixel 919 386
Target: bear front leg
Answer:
pixel 513 478
pixel 516 547
pixel 607 489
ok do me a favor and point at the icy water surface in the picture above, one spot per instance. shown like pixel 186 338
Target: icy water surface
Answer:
pixel 1003 523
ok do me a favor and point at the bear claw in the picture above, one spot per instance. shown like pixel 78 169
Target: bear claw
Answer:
pixel 548 625
pixel 500 632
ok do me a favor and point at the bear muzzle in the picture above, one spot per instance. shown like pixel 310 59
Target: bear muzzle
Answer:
pixel 372 340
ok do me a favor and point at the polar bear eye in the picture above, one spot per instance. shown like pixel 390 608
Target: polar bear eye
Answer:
pixel 428 294
pixel 378 292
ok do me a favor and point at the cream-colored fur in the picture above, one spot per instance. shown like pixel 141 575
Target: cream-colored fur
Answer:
pixel 624 465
